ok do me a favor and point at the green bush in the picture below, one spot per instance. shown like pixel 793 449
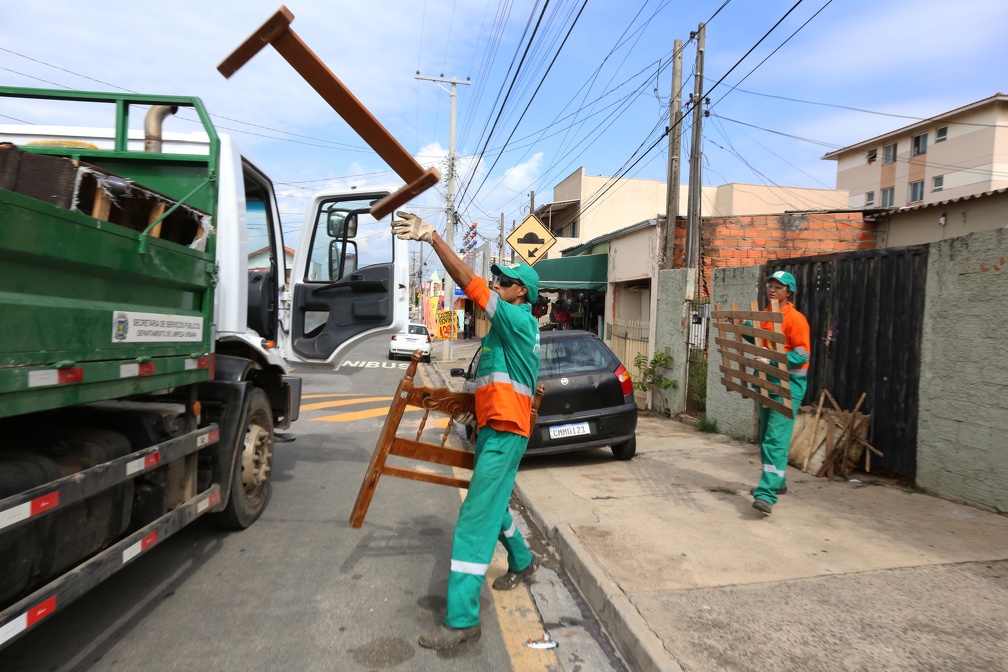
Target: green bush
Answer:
pixel 698 377
pixel 651 374
pixel 707 425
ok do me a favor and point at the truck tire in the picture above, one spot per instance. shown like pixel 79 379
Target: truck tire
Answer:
pixel 253 471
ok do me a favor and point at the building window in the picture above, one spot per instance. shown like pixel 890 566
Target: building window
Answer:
pixel 872 156
pixel 919 145
pixel 941 134
pixel 889 154
pixel 869 198
pixel 887 197
pixel 917 191
pixel 937 183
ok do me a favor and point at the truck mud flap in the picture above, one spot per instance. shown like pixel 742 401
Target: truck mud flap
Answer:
pixel 22 616
pixel 231 397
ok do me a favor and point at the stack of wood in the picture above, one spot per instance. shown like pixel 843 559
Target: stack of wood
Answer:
pixel 831 442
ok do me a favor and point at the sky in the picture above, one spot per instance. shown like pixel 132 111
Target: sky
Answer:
pixel 553 84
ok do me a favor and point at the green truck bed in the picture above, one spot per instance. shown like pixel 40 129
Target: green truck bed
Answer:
pixel 105 306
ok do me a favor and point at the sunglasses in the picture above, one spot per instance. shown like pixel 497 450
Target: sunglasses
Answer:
pixel 506 281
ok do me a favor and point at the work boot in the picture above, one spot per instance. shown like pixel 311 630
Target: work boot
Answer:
pixel 763 506
pixel 512 579
pixel 782 491
pixel 443 637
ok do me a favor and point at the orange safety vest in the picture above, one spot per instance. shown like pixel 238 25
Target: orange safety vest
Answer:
pixel 509 362
pixel 798 338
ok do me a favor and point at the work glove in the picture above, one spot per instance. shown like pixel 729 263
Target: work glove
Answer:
pixel 465 418
pixel 763 360
pixel 411 227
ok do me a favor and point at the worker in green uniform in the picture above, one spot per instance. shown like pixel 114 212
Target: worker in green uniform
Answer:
pixel 505 388
pixel 775 428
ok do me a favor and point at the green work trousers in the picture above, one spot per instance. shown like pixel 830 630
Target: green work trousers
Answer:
pixel 483 520
pixel 775 442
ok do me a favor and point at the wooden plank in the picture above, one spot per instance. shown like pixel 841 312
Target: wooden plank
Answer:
pixel 418 450
pixel 158 210
pixel 426 477
pixel 751 315
pixel 755 332
pixel 814 447
pixel 764 384
pixel 102 204
pixel 765 401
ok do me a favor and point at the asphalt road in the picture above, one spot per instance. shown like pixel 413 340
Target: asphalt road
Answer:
pixel 300 589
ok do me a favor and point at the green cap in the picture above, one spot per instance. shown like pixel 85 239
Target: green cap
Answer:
pixel 785 279
pixel 524 274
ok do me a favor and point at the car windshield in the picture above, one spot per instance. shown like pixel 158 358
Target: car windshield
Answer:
pixel 418 330
pixel 574 355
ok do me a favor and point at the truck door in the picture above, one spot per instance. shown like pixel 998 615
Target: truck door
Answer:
pixel 350 279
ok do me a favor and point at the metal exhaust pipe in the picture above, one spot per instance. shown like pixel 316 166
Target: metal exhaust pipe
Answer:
pixel 152 126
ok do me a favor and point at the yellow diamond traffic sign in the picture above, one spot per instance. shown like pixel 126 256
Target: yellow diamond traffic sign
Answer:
pixel 531 240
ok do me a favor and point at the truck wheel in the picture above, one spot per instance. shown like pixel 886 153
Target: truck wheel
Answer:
pixel 251 481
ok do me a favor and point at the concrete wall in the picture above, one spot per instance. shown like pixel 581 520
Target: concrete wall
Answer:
pixel 670 336
pixel 732 411
pixel 962 429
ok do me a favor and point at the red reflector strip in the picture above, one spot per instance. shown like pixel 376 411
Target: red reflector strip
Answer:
pixel 71 375
pixel 133 370
pixel 211 501
pixel 139 547
pixel 197 363
pixel 16 514
pixel 22 622
pixel 40 611
pixel 44 503
pixel 145 462
pixel 48 377
pixel 207 439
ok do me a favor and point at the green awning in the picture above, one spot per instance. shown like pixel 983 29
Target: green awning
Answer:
pixel 588 272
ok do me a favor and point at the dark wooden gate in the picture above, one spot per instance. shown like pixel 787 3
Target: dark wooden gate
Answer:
pixel 866 313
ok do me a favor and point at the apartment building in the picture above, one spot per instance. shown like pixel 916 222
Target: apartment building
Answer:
pixel 961 153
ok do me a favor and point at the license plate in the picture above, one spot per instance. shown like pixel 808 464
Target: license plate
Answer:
pixel 564 431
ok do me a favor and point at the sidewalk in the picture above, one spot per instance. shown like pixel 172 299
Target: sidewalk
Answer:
pixel 685 575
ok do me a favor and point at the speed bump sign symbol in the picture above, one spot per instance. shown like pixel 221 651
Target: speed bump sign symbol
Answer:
pixel 531 240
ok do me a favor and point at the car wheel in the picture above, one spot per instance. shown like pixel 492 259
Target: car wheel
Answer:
pixel 390 355
pixel 625 450
pixel 426 359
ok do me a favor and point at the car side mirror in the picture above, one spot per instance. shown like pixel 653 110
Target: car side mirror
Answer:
pixel 458 373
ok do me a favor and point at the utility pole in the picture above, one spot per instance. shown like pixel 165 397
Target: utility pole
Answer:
pixel 500 242
pixel 449 283
pixel 693 228
pixel 675 149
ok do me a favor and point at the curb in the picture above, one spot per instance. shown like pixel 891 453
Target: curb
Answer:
pixel 635 641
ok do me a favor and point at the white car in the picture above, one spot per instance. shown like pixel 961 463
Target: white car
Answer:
pixel 406 342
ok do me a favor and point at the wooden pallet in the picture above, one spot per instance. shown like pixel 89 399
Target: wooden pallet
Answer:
pixel 740 372
pixel 438 399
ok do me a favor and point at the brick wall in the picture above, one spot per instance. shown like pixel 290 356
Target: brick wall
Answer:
pixel 728 242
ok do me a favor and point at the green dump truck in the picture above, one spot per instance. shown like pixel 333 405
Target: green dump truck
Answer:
pixel 148 312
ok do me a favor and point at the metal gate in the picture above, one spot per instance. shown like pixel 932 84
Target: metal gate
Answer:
pixel 866 313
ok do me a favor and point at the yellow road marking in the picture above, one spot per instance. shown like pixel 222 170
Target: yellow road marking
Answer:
pixel 325 396
pixel 342 402
pixel 356 415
